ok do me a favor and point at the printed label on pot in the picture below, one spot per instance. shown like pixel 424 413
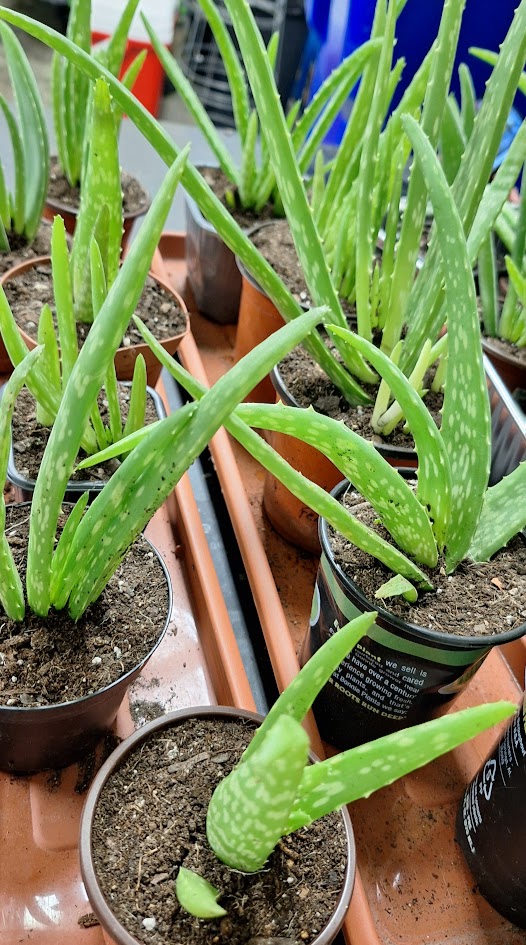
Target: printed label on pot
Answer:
pixel 389 680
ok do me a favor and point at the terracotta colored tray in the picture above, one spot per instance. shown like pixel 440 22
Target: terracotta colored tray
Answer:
pixel 42 897
pixel 412 885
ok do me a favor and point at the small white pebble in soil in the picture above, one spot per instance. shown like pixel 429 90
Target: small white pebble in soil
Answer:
pixel 118 652
pixel 14 678
pixel 126 342
pixel 509 620
pixel 165 308
pixel 290 880
pixel 10 701
pixel 96 661
pixel 149 923
pixel 20 662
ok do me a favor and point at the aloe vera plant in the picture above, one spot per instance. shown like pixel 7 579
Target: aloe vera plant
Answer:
pixel 274 791
pixel 21 209
pixel 71 89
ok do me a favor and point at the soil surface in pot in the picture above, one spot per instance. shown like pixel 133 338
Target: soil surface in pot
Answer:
pixel 31 290
pixel 22 250
pixel 134 196
pixel 508 350
pixel 479 599
pixel 49 660
pixel 30 437
pixel 220 184
pixel 150 819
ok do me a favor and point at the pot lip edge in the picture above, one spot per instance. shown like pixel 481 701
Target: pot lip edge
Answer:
pixel 6 710
pixel 116 758
pixel 427 634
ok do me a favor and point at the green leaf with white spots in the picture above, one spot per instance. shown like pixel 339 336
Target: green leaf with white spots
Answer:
pixel 18 199
pixel 503 515
pixel 391 496
pixel 466 417
pixel 114 52
pixel 360 771
pixel 247 177
pixel 397 586
pixel 63 292
pixel 137 405
pixel 296 700
pixel 50 361
pixel 63 545
pixel 434 474
pixel 197 896
pixel 249 810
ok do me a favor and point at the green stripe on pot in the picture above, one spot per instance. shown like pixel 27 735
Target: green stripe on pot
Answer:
pixel 391 641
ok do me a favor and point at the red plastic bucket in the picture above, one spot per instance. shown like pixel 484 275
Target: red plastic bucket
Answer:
pixel 149 83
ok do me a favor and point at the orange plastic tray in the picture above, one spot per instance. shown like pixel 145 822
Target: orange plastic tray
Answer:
pixel 42 898
pixel 412 885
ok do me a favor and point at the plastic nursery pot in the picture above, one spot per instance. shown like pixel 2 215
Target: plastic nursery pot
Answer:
pixel 290 517
pixel 114 931
pixel 397 674
pixel 75 487
pixel 258 319
pixel 125 356
pixel 510 369
pixel 491 828
pixel 37 738
pixel 211 268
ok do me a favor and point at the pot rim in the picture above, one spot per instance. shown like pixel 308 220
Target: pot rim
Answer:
pixel 489 346
pixel 128 215
pixel 241 266
pixel 442 640
pixel 27 711
pixel 95 896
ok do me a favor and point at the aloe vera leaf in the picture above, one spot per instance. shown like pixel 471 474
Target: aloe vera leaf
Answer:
pixel 83 386
pixel 386 423
pixel 147 476
pixel 76 89
pixel 453 140
pixel 128 80
pixel 194 106
pixel 114 53
pixel 194 184
pixel 359 461
pixel 511 310
pixel 487 55
pixel 17 208
pixel 397 586
pixel 63 292
pixel 247 177
pixel 58 71
pixel 11 590
pixel 99 293
pixel 423 312
pixel 249 810
pixel 50 362
pixel 503 515
pixel 360 771
pixel 487 278
pixel 331 96
pixel 63 544
pixel 197 896
pixel 434 488
pixel 468 108
pixel 298 697
pixel 100 188
pixel 4 242
pixel 33 130
pixel 466 418
pixel 5 206
pixel 311 494
pixel 137 406
pixel 413 218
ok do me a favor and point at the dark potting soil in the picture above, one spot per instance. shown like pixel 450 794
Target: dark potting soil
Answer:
pixel 508 350
pixel 22 250
pixel 150 819
pixel 48 660
pixel 220 184
pixel 30 437
pixel 479 599
pixel 275 243
pixel 134 197
pixel 31 290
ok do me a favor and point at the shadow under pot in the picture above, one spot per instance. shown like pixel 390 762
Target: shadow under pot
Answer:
pixel 211 268
pixel 29 286
pixel 97 654
pixel 291 518
pixel 400 672
pixel 63 200
pixel 191 751
pixel 491 828
pixel 25 483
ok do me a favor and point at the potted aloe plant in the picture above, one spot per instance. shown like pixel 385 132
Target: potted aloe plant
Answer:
pixel 22 232
pixel 236 858
pixel 250 190
pixel 100 217
pixel 71 97
pixel 67 582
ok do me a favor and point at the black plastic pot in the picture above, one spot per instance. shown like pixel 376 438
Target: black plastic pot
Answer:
pixel 75 487
pixel 37 738
pixel 491 828
pixel 211 268
pixel 102 908
pixel 397 674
